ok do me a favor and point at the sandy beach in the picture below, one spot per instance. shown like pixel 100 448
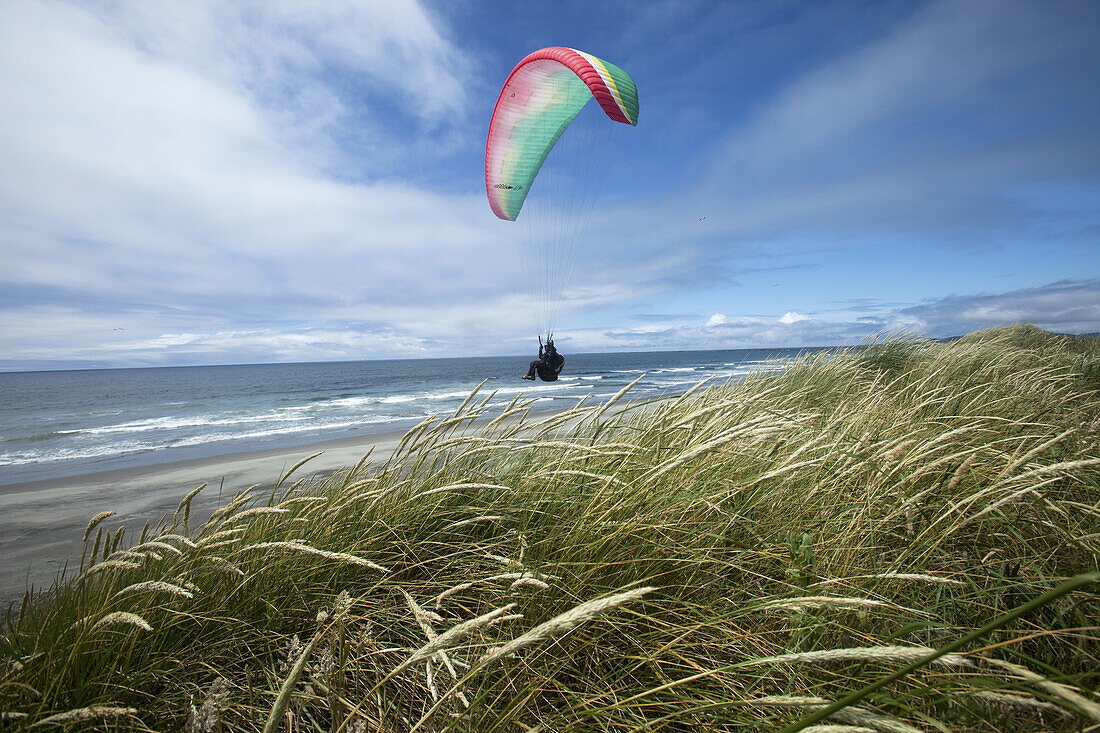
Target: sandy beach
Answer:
pixel 42 522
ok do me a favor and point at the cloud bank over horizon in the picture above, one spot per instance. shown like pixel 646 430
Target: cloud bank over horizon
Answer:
pixel 260 182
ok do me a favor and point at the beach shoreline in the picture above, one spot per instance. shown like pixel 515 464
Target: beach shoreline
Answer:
pixel 42 521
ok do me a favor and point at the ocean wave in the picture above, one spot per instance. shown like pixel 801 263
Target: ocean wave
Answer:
pixel 178 423
pixel 112 450
pixel 548 387
pixel 460 394
pixel 319 429
pixel 127 448
pixel 40 437
pixel 396 399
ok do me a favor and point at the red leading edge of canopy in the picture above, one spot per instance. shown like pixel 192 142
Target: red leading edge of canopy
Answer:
pixel 578 65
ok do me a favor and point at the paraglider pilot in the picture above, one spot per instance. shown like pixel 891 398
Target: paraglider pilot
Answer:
pixel 549 364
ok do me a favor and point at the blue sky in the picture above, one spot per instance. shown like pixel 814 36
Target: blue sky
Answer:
pixel 207 182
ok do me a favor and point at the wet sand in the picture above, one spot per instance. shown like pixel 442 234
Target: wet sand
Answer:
pixel 42 522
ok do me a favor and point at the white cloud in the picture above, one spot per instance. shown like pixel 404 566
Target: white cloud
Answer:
pixel 153 160
pixel 48 336
pixel 224 178
pixel 1068 306
pixel 792 317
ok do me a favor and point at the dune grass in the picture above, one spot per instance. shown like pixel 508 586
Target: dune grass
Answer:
pixel 733 558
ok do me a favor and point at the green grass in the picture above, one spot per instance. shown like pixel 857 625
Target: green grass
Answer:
pixel 734 558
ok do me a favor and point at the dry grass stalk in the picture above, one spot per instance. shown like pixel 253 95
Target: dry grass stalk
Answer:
pixel 259 511
pixel 855 715
pixel 960 473
pixel 220 537
pixel 1022 460
pixel 83 715
pixel 1010 701
pixel 680 460
pixel 157 545
pixel 708 410
pixel 615 398
pixel 430 678
pixel 185 541
pixel 94 522
pixel 920 577
pixel 473 520
pixel 451 591
pixel 787 604
pixel 185 503
pixel 236 503
pixel 123 618
pixel 130 556
pixel 454 487
pixel 112 565
pixel 890 654
pixel 787 469
pixel 302 547
pixel 586 474
pixel 208 546
pixel 890 458
pixel 294 468
pixel 156 586
pixel 524 443
pixel 528 582
pixel 424 619
pixel 296 500
pixel 1064 692
pixel 1065 467
pixel 562 623
pixel 458 633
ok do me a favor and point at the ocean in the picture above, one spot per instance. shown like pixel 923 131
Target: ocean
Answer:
pixel 66 423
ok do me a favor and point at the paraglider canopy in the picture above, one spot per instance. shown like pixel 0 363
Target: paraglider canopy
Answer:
pixel 541 98
pixel 538 102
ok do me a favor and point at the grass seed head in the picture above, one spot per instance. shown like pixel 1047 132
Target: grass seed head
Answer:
pixel 459 632
pixel 95 523
pixel 83 715
pixel 528 582
pixel 886 654
pixel 123 618
pixel 156 586
pixel 564 622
